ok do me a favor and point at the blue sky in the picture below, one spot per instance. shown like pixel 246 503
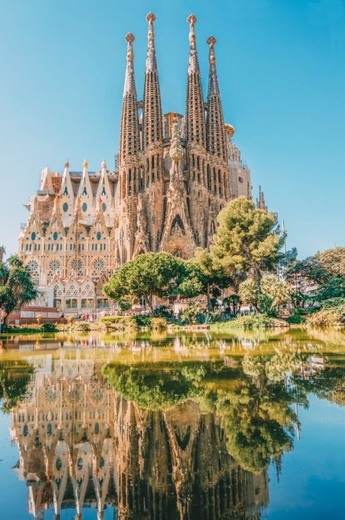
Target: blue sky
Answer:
pixel 282 79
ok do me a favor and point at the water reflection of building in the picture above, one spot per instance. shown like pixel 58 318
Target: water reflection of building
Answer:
pixel 81 444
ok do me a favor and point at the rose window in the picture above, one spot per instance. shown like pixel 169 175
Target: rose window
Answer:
pixel 32 267
pixel 54 265
pixel 99 264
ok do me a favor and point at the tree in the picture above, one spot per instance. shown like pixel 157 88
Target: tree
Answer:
pixel 278 290
pixel 333 261
pixel 14 379
pixel 248 241
pixel 269 296
pixel 214 278
pixel 147 275
pixel 249 292
pixel 326 270
pixel 16 286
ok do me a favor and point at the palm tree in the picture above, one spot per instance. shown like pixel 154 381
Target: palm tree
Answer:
pixel 2 253
pixel 16 286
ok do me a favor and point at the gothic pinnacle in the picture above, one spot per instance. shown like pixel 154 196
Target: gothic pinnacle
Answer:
pixel 152 107
pixel 151 63
pixel 211 41
pixel 193 58
pixel 213 81
pixel 192 21
pixel 129 87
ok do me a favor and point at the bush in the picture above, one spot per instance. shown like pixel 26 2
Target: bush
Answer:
pixel 296 318
pixel 332 302
pixel 81 326
pixel 194 314
pixel 158 323
pixel 120 322
pixel 328 317
pixel 254 321
pixel 48 327
pixel 162 311
pixel 143 320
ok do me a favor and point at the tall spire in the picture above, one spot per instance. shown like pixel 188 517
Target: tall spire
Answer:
pixel 196 131
pixel 129 140
pixel 152 109
pixel 216 136
pixel 151 62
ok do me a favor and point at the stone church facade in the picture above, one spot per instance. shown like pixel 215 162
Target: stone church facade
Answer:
pixel 173 175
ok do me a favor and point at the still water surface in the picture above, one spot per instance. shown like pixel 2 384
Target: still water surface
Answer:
pixel 173 427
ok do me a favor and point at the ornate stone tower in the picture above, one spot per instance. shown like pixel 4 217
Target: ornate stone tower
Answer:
pixel 173 175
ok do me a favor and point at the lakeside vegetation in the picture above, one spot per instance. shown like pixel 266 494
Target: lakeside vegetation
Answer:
pixel 244 280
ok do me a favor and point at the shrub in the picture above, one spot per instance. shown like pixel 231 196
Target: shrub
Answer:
pixel 119 322
pixel 332 302
pixel 296 318
pixel 48 327
pixel 328 317
pixel 158 323
pixel 162 311
pixel 254 321
pixel 194 314
pixel 81 326
pixel 142 320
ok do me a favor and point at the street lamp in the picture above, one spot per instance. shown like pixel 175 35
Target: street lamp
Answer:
pixel 94 281
pixel 1 316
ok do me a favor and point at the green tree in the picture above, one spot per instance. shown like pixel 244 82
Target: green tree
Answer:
pixel 249 292
pixel 248 241
pixel 326 270
pixel 213 276
pixel 333 261
pixel 278 290
pixel 146 276
pixel 16 286
pixel 14 379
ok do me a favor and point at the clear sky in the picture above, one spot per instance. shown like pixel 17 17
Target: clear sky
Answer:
pixel 281 68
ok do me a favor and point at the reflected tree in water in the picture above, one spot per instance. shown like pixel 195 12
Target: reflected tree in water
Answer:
pixel 14 379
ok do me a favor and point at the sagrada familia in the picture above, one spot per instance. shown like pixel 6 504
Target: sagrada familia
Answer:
pixel 172 176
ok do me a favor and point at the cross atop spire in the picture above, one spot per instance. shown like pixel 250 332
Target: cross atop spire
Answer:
pixel 151 63
pixel 129 87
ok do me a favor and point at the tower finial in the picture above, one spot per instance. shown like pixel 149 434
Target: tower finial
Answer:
pixel 129 87
pixel 193 58
pixel 213 81
pixel 130 39
pixel 211 41
pixel 151 63
pixel 192 21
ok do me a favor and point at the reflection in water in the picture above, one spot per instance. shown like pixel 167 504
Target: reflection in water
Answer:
pixel 81 443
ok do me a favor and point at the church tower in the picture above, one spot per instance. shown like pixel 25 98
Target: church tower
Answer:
pixel 129 165
pixel 152 144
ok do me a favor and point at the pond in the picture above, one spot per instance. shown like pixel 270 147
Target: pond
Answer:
pixel 173 427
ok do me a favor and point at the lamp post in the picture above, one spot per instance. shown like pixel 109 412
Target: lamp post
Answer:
pixel 94 281
pixel 1 316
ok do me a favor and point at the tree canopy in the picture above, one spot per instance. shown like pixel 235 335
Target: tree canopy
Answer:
pixel 247 241
pixel 147 275
pixel 16 285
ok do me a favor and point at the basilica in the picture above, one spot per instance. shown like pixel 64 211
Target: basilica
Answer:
pixel 173 174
